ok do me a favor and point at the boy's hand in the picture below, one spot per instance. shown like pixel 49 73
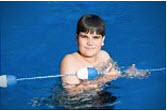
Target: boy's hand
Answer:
pixel 112 72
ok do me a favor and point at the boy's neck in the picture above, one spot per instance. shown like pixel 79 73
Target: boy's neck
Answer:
pixel 90 60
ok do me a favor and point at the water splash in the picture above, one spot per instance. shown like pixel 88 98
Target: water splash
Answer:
pixel 133 71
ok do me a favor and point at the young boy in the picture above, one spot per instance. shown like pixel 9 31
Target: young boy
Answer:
pixel 90 39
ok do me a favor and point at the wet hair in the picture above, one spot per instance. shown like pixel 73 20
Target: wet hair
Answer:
pixel 90 23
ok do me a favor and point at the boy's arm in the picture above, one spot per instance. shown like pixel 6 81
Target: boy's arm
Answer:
pixel 67 67
pixel 93 84
pixel 89 85
pixel 71 83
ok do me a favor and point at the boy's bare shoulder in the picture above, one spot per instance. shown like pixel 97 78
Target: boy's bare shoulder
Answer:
pixel 104 54
pixel 68 58
pixel 68 64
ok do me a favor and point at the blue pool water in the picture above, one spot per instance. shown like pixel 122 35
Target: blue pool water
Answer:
pixel 36 35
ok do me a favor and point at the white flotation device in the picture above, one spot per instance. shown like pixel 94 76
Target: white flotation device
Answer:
pixel 7 80
pixel 87 73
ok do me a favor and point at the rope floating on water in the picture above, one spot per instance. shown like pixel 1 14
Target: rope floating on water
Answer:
pixel 43 77
pixel 156 69
pixel 87 73
pixel 55 76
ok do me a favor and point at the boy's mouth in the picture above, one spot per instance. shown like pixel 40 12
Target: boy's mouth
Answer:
pixel 90 47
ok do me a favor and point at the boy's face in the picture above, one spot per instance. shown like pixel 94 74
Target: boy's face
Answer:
pixel 90 43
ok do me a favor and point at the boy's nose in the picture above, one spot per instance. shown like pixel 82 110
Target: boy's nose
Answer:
pixel 90 41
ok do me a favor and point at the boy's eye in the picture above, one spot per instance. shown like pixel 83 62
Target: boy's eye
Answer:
pixel 83 36
pixel 86 37
pixel 96 37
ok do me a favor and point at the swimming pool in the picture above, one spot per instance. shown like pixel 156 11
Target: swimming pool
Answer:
pixel 36 35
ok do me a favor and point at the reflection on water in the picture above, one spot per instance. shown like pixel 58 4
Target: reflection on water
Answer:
pixel 94 99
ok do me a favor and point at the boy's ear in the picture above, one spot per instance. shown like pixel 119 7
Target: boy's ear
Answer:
pixel 103 41
pixel 76 39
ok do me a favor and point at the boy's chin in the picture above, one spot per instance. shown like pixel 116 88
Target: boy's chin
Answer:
pixel 90 55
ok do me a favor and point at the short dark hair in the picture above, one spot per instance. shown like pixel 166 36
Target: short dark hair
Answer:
pixel 91 23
